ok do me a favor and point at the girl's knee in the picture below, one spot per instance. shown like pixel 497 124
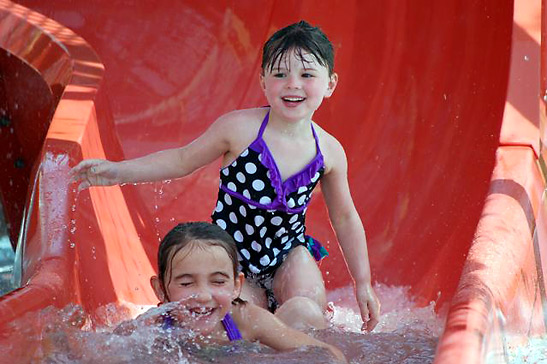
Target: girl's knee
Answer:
pixel 301 287
pixel 302 313
pixel 315 294
pixel 299 276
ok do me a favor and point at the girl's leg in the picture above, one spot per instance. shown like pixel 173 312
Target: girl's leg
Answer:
pixel 252 293
pixel 299 288
pixel 301 313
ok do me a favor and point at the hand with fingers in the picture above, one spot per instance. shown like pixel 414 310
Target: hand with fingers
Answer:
pixel 95 172
pixel 369 305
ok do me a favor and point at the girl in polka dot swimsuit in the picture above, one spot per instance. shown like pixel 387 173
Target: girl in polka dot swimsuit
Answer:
pixel 255 205
pixel 273 158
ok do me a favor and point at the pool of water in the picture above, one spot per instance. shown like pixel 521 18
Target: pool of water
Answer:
pixel 405 334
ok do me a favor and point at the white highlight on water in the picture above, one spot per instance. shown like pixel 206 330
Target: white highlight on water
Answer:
pixel 406 334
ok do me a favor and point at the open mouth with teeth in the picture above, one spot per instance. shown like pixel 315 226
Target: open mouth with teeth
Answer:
pixel 293 99
pixel 201 312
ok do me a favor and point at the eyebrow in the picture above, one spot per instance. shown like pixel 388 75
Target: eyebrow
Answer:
pixel 188 275
pixel 184 275
pixel 224 274
pixel 305 68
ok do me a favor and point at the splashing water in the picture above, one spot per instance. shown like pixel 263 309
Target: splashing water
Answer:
pixel 405 334
pixel 532 351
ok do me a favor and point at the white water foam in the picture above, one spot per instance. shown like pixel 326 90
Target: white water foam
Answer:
pixel 405 334
pixel 529 351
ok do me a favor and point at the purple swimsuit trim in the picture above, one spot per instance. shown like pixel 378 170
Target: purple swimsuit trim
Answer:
pixel 291 184
pixel 231 328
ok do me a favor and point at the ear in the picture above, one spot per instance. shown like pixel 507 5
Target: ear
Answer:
pixel 332 85
pixel 262 81
pixel 238 280
pixel 158 289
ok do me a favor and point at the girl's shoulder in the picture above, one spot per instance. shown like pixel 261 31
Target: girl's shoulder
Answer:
pixel 240 127
pixel 248 318
pixel 242 119
pixel 331 148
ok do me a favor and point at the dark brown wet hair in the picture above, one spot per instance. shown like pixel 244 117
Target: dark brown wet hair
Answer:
pixel 301 37
pixel 193 233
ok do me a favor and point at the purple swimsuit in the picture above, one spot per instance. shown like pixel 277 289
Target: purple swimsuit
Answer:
pixel 265 215
pixel 228 322
pixel 231 328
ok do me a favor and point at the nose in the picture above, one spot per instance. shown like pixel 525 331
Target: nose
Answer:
pixel 202 295
pixel 293 82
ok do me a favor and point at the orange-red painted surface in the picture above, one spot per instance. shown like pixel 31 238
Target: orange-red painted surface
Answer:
pixel 427 91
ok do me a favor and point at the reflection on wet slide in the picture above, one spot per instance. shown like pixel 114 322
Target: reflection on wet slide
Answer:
pixel 6 258
pixel 433 109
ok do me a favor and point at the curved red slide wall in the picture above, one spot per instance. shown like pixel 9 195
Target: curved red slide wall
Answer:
pixel 420 106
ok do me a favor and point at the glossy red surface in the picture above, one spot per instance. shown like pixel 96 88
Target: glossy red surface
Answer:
pixel 401 110
pixel 424 90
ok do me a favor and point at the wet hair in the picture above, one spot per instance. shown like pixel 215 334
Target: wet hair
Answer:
pixel 301 37
pixel 191 233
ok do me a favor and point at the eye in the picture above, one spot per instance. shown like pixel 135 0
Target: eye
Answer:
pixel 279 75
pixel 219 282
pixel 307 75
pixel 185 284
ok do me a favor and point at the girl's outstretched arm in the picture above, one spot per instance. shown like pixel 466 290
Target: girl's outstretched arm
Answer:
pixel 166 164
pixel 262 325
pixel 350 232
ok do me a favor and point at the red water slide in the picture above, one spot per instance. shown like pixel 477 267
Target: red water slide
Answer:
pixel 438 107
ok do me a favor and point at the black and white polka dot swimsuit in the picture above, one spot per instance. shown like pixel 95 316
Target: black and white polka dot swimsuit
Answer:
pixel 265 215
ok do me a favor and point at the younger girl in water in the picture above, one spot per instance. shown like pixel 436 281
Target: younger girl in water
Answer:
pixel 272 160
pixel 199 282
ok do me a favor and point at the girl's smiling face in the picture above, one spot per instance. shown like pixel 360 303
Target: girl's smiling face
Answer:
pixel 201 277
pixel 296 85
